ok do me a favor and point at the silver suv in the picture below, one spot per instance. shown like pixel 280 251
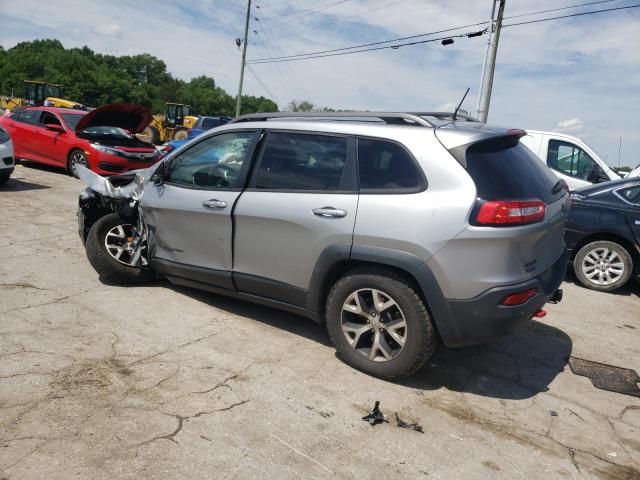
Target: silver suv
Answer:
pixel 398 230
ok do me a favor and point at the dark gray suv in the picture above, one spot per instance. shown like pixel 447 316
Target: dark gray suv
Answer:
pixel 398 230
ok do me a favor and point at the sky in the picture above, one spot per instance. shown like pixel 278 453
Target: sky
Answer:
pixel 576 75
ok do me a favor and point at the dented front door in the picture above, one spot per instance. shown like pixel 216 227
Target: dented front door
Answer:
pixel 189 215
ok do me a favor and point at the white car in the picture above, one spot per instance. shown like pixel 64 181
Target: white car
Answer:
pixel 6 156
pixel 634 173
pixel 570 158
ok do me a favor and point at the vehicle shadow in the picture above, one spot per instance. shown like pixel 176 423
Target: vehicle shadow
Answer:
pixel 632 288
pixel 280 319
pixel 514 367
pixel 18 185
pixel 42 167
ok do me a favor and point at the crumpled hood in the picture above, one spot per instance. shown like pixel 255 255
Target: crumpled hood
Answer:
pixel 130 116
pixel 104 187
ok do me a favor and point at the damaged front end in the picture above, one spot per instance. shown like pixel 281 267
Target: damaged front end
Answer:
pixel 117 194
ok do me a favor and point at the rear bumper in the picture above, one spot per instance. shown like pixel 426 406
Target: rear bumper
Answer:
pixel 482 318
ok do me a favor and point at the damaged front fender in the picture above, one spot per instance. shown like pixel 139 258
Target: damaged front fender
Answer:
pixel 119 194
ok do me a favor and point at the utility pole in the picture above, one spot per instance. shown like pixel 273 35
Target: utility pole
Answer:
pixel 490 63
pixel 619 153
pixel 244 57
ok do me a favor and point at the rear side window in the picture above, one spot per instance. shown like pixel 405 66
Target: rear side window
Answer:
pixel 631 195
pixel 303 162
pixel 27 116
pixel 504 169
pixel 385 166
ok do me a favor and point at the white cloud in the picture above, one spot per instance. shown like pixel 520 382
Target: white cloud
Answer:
pixel 108 28
pixel 572 125
pixel 585 68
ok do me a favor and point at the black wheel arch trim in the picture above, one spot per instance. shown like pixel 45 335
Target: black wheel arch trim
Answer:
pixel 331 258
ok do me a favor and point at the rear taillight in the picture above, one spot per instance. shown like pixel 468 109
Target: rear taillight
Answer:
pixel 506 213
pixel 518 298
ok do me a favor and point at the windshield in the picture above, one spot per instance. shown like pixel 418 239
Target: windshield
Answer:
pixel 71 119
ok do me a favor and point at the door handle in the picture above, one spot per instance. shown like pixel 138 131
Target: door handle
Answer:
pixel 213 203
pixel 329 212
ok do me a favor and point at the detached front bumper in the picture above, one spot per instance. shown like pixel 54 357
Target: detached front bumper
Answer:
pixel 482 318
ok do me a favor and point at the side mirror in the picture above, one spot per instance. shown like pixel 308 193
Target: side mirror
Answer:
pixel 158 176
pixel 54 127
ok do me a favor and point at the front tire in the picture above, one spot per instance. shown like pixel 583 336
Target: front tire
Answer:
pixel 76 157
pixel 379 324
pixel 603 266
pixel 106 248
pixel 4 177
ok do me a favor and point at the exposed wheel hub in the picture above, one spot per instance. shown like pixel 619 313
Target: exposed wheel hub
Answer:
pixel 120 244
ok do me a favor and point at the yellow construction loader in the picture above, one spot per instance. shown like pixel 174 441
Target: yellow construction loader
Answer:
pixel 173 125
pixel 40 93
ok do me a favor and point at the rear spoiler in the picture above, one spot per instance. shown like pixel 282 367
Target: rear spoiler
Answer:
pixel 487 140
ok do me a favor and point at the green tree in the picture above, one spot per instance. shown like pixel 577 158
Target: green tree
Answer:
pixel 96 79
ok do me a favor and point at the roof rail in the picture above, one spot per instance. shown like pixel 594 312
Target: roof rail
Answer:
pixel 446 116
pixel 390 118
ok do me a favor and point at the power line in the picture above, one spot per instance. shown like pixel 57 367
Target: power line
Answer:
pixel 341 51
pixel 572 15
pixel 291 79
pixel 295 12
pixel 561 8
pixel 395 2
pixel 311 11
pixel 269 5
pixel 375 43
pixel 394 47
pixel 266 89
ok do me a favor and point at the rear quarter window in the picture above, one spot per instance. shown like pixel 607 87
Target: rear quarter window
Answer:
pixel 505 169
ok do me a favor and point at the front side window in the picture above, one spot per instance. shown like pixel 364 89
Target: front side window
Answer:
pixel 213 163
pixel 71 119
pixel 571 160
pixel 49 118
pixel 385 165
pixel 304 162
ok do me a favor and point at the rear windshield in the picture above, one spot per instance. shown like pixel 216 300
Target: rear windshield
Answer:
pixel 508 173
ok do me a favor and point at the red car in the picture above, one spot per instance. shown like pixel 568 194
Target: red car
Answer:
pixel 102 139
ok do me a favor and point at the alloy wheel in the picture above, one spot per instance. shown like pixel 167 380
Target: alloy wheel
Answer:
pixel 373 324
pixel 602 266
pixel 78 158
pixel 119 242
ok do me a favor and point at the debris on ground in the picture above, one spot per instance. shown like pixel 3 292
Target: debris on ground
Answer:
pixel 607 377
pixel 375 416
pixel 409 426
pixel 553 413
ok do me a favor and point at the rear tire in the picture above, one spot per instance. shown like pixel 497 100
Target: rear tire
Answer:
pixel 399 351
pixel 110 269
pixel 603 266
